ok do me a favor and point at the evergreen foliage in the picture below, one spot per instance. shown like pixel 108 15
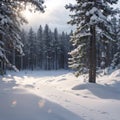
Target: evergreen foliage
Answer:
pixel 116 46
pixel 10 21
pixel 91 20
pixel 45 49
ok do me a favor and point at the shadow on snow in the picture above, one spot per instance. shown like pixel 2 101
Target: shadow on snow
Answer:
pixel 102 91
pixel 18 104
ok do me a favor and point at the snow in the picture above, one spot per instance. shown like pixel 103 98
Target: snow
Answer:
pixel 115 74
pixel 58 95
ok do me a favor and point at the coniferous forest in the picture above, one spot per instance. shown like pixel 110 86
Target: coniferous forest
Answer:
pixel 11 20
pixel 49 50
pixel 44 49
pixel 46 74
pixel 94 45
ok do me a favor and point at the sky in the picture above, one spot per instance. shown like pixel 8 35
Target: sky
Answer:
pixel 55 16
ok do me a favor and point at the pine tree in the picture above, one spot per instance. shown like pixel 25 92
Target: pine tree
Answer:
pixel 46 47
pixel 32 49
pixel 10 21
pixel 23 61
pixel 116 45
pixel 56 49
pixel 40 47
pixel 65 48
pixel 52 52
pixel 91 19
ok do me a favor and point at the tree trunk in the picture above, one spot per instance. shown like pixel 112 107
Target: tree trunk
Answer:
pixel 13 55
pixel 21 62
pixel 92 55
pixel 107 55
pixel 1 59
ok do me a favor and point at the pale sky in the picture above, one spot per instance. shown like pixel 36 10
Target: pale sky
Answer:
pixel 55 16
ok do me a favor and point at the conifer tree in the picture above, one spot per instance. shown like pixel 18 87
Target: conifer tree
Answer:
pixel 32 48
pixel 23 61
pixel 46 47
pixel 56 48
pixel 90 18
pixel 40 46
pixel 116 46
pixel 10 21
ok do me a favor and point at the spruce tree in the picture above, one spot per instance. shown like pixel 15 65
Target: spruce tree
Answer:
pixel 56 49
pixel 10 21
pixel 46 47
pixel 32 50
pixel 39 47
pixel 116 46
pixel 23 61
pixel 90 18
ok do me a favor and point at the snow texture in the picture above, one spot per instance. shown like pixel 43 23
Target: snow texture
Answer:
pixel 58 95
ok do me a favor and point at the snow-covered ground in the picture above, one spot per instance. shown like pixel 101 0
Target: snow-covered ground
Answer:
pixel 58 95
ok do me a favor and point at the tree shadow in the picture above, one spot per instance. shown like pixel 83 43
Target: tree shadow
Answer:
pixel 18 104
pixel 102 91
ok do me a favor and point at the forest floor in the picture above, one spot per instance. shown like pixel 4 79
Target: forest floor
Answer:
pixel 58 95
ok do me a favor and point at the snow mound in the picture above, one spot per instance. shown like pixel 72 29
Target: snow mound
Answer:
pixel 115 73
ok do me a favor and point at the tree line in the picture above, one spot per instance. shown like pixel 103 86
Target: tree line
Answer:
pixel 43 49
pixel 96 39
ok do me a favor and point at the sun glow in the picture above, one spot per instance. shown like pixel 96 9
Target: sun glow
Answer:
pixel 27 14
pixel 54 11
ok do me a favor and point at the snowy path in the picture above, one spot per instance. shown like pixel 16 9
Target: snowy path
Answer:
pixel 19 104
pixel 57 95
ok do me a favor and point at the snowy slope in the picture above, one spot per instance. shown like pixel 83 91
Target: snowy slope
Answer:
pixel 58 95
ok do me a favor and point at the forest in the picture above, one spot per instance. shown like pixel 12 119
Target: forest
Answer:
pixel 50 50
pixel 46 74
pixel 44 50
pixel 94 45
